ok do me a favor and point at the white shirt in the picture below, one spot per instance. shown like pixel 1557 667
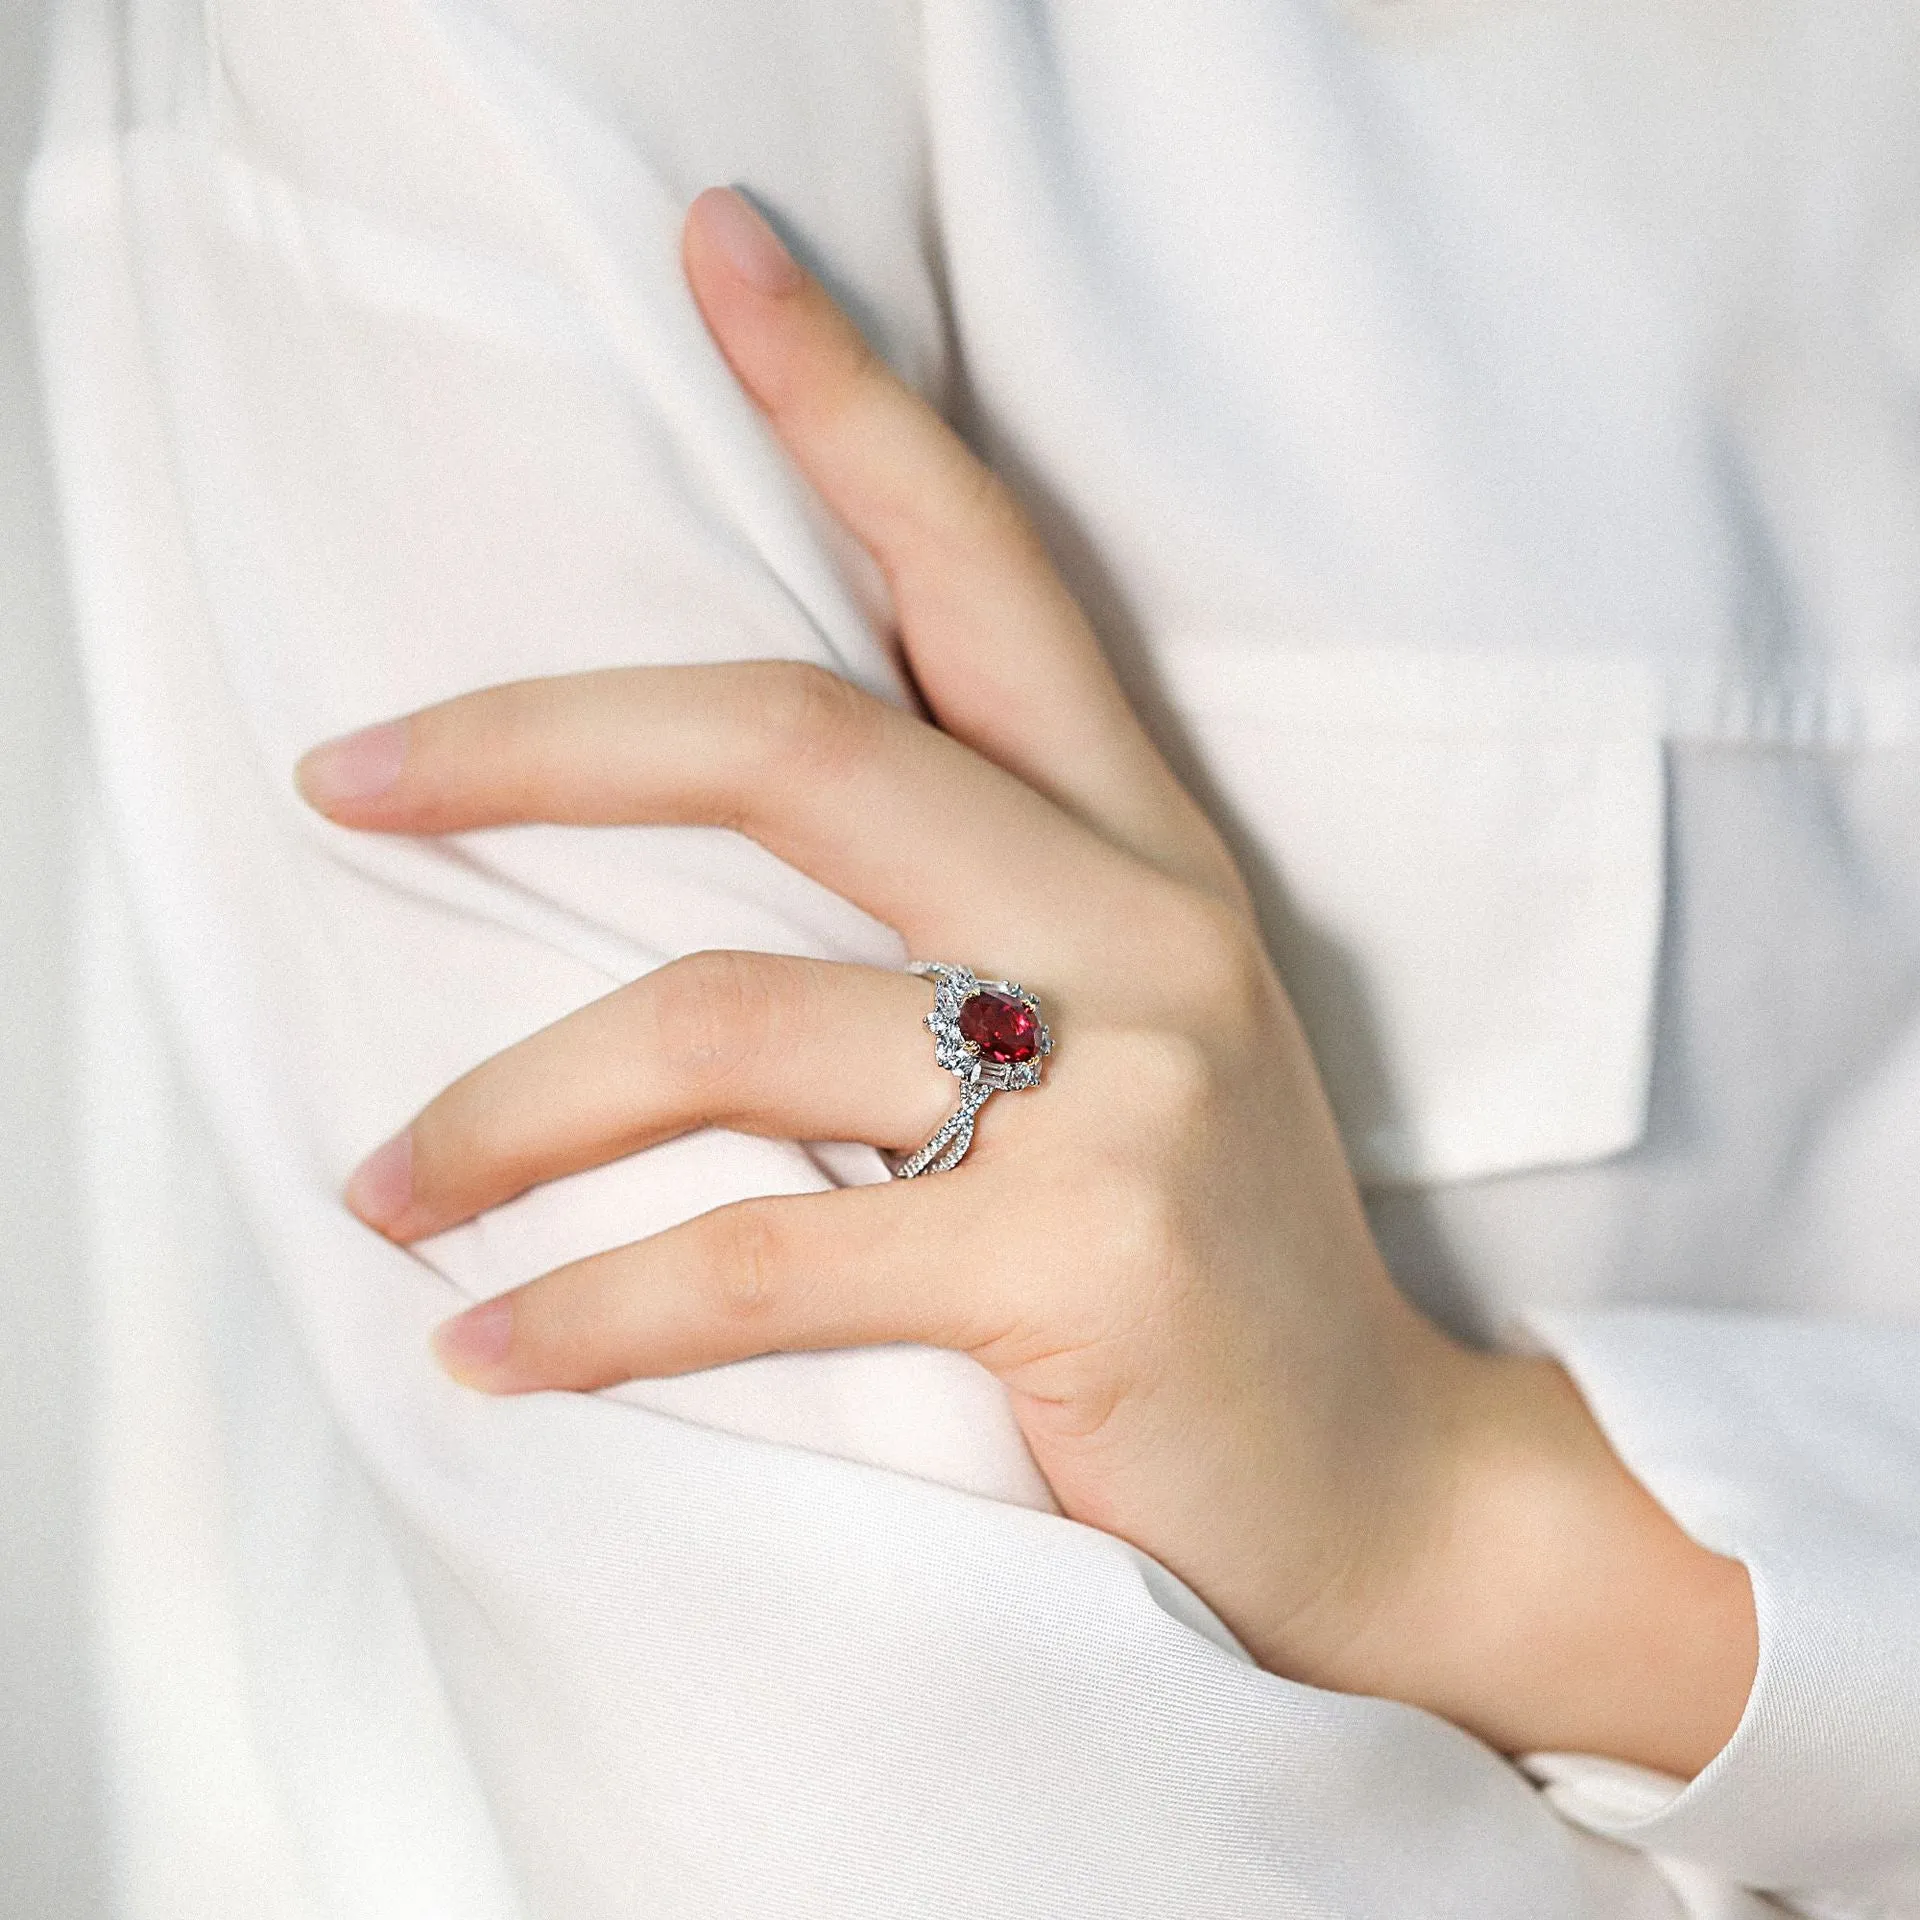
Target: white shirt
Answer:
pixel 1488 436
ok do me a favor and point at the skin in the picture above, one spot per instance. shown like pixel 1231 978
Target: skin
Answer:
pixel 1193 1325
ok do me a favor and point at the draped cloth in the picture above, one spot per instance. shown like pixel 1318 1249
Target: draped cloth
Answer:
pixel 1488 438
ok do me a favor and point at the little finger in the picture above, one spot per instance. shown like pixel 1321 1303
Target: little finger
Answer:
pixel 862 1266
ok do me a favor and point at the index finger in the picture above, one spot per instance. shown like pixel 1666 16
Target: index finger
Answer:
pixel 1001 650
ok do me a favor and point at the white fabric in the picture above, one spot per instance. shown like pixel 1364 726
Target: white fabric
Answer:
pixel 1486 434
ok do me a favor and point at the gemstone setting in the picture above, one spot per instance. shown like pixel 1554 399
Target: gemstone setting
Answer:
pixel 989 1034
pixel 1002 1028
pixel 986 1033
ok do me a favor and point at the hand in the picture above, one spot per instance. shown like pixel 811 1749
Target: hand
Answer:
pixel 1159 1252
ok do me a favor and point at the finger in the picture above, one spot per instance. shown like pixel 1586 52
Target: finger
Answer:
pixel 760 1043
pixel 1006 659
pixel 862 1266
pixel 870 801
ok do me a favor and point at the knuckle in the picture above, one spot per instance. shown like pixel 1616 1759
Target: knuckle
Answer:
pixel 1141 1249
pixel 808 722
pixel 866 379
pixel 1215 958
pixel 746 1263
pixel 508 726
pixel 465 1136
pixel 1172 1080
pixel 974 515
pixel 710 1015
pixel 977 505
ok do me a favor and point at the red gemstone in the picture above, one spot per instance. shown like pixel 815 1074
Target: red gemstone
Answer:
pixel 1005 1030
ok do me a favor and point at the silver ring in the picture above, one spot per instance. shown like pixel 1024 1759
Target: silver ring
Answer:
pixel 989 1034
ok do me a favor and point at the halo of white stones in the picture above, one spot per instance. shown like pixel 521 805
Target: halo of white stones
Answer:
pixel 1008 1062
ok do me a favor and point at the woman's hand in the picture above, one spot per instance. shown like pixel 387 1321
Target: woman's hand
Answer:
pixel 1159 1251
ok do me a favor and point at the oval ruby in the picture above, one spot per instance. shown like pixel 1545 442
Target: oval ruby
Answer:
pixel 1006 1030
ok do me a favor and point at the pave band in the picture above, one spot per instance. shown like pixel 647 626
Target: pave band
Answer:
pixel 990 1036
pixel 949 1146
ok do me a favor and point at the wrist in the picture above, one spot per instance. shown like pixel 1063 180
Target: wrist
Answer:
pixel 1543 1599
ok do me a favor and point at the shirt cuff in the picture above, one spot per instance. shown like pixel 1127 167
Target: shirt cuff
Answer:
pixel 1793 1446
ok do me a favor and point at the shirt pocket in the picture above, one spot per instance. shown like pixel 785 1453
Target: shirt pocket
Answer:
pixel 1460 863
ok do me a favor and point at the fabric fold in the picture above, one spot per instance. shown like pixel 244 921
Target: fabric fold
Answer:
pixel 371 378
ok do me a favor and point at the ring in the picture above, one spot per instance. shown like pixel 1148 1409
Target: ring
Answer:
pixel 990 1036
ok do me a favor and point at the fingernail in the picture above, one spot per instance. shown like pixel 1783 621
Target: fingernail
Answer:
pixel 357 766
pixel 380 1188
pixel 750 247
pixel 473 1344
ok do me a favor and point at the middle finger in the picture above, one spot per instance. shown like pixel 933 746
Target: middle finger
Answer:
pixel 884 809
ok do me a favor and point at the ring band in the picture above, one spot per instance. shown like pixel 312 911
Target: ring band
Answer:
pixel 989 1034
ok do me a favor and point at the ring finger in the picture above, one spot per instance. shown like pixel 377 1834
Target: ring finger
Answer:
pixel 760 1043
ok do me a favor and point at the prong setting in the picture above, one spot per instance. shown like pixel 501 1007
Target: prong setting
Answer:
pixel 1005 1054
